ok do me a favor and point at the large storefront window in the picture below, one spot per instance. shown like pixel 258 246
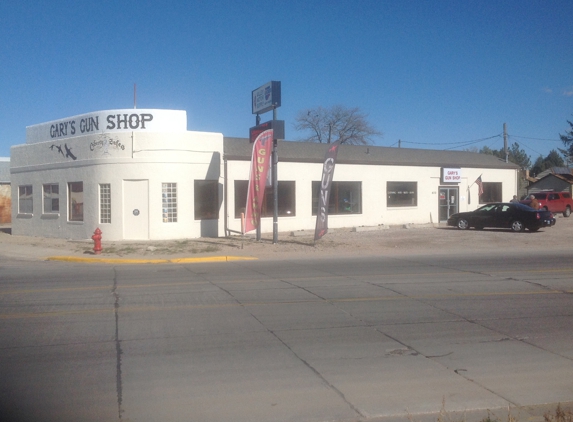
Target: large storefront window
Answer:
pixel 491 193
pixel 25 200
pixel 206 199
pixel 345 198
pixel 51 198
pixel 402 194
pixel 286 199
pixel 76 201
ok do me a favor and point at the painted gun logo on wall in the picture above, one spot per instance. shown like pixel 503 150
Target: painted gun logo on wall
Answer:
pixel 105 143
pixel 59 150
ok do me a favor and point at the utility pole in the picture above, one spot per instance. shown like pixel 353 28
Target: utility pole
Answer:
pixel 505 143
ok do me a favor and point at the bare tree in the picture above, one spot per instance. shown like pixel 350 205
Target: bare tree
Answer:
pixel 328 125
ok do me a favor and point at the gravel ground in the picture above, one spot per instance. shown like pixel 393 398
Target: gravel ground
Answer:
pixel 423 239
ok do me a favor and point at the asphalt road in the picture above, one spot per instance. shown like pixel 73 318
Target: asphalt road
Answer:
pixel 290 340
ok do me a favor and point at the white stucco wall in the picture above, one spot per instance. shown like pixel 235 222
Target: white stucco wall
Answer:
pixel 155 157
pixel 375 210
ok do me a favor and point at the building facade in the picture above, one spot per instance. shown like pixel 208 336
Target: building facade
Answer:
pixel 141 175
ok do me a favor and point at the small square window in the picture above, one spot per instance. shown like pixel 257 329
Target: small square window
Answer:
pixel 25 199
pixel 51 198
pixel 76 201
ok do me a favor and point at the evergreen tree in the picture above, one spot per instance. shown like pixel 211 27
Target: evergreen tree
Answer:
pixel 553 159
pixel 515 155
pixel 567 140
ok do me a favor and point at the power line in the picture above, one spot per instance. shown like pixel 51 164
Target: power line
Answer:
pixel 474 142
pixel 537 139
pixel 452 143
pixel 525 145
pixel 462 144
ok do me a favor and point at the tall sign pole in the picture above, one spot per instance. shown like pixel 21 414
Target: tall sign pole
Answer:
pixel 266 98
pixel 274 174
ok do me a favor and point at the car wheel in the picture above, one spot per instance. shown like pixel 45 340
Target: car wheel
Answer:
pixel 517 226
pixel 463 224
pixel 567 212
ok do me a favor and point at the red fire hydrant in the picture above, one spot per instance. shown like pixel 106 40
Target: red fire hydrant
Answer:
pixel 97 241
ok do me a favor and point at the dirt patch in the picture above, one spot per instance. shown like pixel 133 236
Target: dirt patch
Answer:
pixel 413 239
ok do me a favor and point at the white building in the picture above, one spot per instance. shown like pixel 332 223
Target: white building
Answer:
pixel 140 174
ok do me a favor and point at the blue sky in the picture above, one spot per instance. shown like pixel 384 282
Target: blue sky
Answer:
pixel 434 74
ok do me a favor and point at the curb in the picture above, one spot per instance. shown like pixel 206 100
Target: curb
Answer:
pixel 149 261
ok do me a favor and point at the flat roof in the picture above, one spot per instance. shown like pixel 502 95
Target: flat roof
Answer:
pixel 309 152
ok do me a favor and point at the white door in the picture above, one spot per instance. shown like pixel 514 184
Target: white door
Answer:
pixel 136 209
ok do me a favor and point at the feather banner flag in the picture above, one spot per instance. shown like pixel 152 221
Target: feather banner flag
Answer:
pixel 260 163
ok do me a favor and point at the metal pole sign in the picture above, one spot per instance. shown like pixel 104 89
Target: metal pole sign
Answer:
pixel 277 126
pixel 266 97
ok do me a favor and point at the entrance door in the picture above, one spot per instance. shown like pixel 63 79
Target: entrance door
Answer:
pixel 448 202
pixel 136 209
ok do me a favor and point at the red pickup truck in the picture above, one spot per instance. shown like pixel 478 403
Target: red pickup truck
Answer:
pixel 555 202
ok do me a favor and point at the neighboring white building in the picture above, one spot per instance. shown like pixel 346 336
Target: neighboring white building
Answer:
pixel 140 174
pixel 371 185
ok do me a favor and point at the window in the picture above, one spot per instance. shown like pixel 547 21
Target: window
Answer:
pixel 51 198
pixel 169 202
pixel 491 193
pixel 402 194
pixel 206 199
pixel 286 199
pixel 76 201
pixel 345 198
pixel 25 200
pixel 105 203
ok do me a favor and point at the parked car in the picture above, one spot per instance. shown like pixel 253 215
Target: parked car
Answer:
pixel 512 215
pixel 556 202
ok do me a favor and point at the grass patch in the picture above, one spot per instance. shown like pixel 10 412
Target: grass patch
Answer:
pixel 126 250
pixel 183 246
pixel 206 249
pixel 560 415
